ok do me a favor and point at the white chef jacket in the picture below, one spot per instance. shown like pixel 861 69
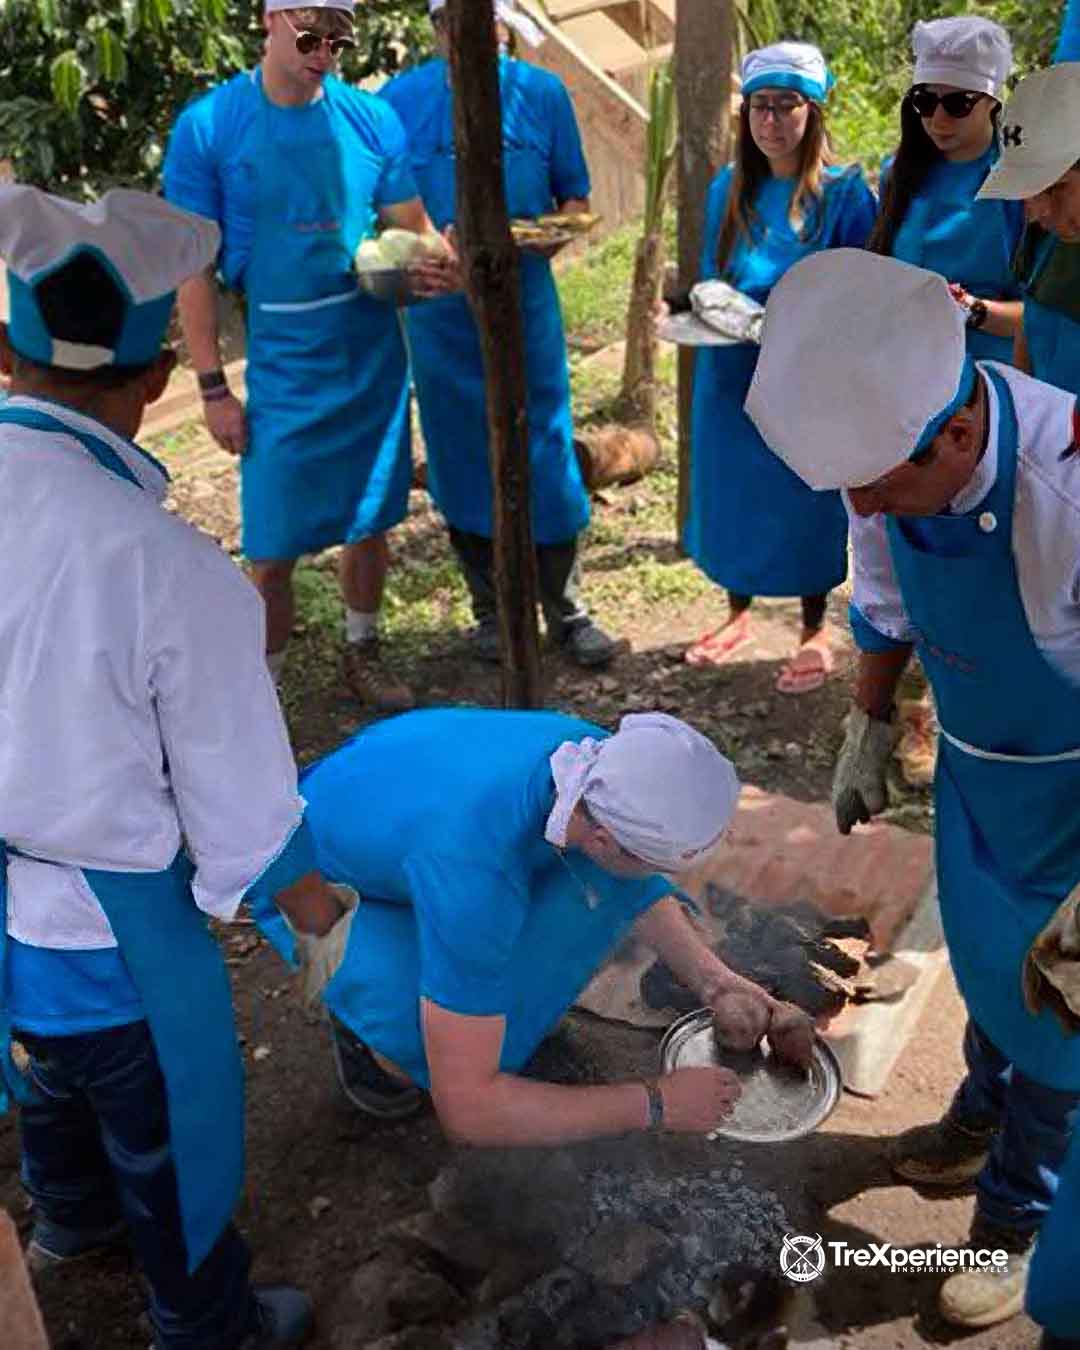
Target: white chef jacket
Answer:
pixel 136 708
pixel 1046 526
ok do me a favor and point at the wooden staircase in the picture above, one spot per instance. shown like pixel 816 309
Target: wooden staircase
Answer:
pixel 623 38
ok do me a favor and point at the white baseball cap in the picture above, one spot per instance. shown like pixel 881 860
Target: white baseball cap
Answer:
pixel 860 355
pixel 967 52
pixel 1040 134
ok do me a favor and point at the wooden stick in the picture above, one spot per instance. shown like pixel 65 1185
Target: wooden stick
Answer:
pixel 704 57
pixel 21 1327
pixel 493 287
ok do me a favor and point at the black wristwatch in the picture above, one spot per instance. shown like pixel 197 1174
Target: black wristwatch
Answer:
pixel 978 314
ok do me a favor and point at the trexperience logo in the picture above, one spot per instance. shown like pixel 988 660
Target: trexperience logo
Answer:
pixel 803 1258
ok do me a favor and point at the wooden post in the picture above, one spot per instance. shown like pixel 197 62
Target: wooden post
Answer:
pixel 21 1327
pixel 490 263
pixel 704 59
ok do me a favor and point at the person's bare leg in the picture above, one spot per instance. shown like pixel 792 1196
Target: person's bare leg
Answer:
pixel 362 571
pixel 813 663
pixel 273 579
pixel 717 647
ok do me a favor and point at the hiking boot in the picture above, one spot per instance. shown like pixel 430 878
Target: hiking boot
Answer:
pixel 484 641
pixel 945 1154
pixel 366 1083
pixel 372 681
pixel 983 1298
pixel 51 1245
pixel 917 749
pixel 590 647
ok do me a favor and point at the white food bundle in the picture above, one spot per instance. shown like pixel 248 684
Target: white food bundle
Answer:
pixel 397 249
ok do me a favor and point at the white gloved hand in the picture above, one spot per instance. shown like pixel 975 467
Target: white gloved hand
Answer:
pixel 1052 966
pixel 860 788
pixel 320 958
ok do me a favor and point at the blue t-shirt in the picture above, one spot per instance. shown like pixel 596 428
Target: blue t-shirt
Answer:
pixel 212 163
pixel 444 811
pixel 544 163
pixel 68 993
pixel 843 218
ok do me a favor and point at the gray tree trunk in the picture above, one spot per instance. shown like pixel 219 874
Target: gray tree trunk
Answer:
pixel 704 63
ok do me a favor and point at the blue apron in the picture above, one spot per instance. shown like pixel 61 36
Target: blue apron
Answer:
pixel 754 526
pixel 966 241
pixel 447 362
pixel 177 969
pixel 327 376
pixel 1007 829
pixel 1053 338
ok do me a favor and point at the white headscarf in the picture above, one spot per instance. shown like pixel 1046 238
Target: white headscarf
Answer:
pixel 507 12
pixel 662 790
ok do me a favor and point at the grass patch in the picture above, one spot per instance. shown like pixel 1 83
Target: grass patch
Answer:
pixel 595 292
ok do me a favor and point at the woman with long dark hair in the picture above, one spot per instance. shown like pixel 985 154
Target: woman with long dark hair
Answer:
pixel 948 145
pixel 754 527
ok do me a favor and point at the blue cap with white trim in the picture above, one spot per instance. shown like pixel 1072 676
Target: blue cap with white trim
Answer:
pixel 93 286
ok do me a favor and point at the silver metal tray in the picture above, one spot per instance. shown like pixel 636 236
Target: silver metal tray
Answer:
pixel 779 1103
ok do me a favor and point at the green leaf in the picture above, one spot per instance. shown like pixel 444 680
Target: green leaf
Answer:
pixel 68 77
pixel 111 57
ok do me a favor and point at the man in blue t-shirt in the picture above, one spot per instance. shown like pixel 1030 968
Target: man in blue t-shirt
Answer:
pixel 506 856
pixel 298 168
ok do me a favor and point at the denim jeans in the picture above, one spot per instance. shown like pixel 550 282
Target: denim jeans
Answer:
pixel 1017 1186
pixel 95 1145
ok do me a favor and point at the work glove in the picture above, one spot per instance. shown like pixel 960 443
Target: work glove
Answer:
pixel 1052 966
pixel 859 784
pixel 320 958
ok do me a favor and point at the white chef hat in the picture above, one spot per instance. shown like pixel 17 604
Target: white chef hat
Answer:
pixel 842 412
pixel 788 65
pixel 93 285
pixel 507 12
pixel 275 6
pixel 968 52
pixel 663 791
pixel 1040 136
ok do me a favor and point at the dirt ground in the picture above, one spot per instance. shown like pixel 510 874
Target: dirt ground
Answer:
pixel 321 1180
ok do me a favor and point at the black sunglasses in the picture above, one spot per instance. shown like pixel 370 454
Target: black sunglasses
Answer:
pixel 957 105
pixel 308 42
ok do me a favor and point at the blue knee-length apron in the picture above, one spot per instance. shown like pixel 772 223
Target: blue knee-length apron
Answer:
pixel 444 345
pixel 176 967
pixel 1053 337
pixel 969 242
pixel 1008 781
pixel 754 526
pixel 327 376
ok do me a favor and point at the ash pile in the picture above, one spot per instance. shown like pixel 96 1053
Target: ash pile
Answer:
pixel 576 1249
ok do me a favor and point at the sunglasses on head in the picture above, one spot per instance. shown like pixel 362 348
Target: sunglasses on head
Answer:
pixel 957 105
pixel 308 41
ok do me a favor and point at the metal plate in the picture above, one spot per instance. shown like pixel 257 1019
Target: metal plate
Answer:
pixel 392 285
pixel 779 1103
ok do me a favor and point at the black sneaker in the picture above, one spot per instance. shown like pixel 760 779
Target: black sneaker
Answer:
pixel 285 1318
pixel 50 1245
pixel 368 1086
